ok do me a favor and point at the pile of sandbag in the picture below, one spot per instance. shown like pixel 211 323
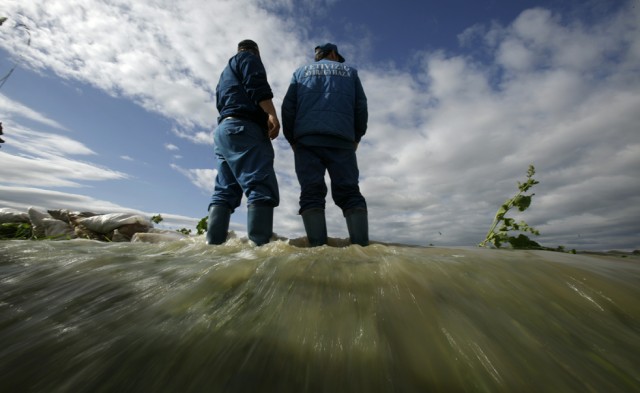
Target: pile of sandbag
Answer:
pixel 65 224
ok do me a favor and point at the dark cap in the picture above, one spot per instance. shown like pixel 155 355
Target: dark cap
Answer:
pixel 247 45
pixel 328 47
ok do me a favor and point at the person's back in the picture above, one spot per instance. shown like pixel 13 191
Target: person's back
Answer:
pixel 324 116
pixel 242 85
pixel 243 148
pixel 328 106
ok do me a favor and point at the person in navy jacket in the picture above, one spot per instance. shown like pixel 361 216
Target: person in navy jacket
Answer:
pixel 324 116
pixel 246 125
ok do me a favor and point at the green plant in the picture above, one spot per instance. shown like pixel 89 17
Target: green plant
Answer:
pixel 15 231
pixel 184 231
pixel 499 232
pixel 157 219
pixel 202 225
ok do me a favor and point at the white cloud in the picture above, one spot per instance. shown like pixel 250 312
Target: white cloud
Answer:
pixel 455 149
pixel 200 137
pixel 21 198
pixel 11 108
pixel 51 172
pixel 42 160
pixel 167 58
pixel 201 178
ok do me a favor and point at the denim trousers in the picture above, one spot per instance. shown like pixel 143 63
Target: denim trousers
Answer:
pixel 245 165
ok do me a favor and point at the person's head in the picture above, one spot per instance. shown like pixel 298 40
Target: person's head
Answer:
pixel 328 51
pixel 249 46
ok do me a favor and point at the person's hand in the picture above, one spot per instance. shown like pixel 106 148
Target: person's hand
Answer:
pixel 273 124
pixel 274 127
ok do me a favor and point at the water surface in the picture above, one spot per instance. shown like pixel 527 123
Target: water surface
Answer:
pixel 85 316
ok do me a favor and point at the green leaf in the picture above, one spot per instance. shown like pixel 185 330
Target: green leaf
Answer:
pixel 157 219
pixel 505 224
pixel 15 231
pixel 523 242
pixel 522 202
pixel 202 225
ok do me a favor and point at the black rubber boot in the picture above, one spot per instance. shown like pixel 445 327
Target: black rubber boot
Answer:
pixel 315 225
pixel 218 224
pixel 260 224
pixel 358 226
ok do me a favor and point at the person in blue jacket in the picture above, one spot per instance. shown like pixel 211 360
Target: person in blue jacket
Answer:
pixel 246 125
pixel 324 116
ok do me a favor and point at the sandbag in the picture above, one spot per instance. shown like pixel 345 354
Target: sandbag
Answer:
pixel 45 226
pixel 9 216
pixel 106 223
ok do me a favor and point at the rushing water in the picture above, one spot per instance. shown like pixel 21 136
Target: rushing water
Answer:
pixel 84 316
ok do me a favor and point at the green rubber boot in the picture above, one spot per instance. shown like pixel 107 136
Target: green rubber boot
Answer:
pixel 218 224
pixel 358 226
pixel 260 224
pixel 315 225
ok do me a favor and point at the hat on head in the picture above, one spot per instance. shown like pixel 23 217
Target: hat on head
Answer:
pixel 328 47
pixel 247 45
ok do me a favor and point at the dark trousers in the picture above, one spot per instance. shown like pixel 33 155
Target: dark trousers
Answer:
pixel 312 162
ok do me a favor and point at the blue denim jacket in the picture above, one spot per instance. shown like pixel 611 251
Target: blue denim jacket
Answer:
pixel 242 86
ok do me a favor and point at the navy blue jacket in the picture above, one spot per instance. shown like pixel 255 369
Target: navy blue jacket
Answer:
pixel 242 86
pixel 325 105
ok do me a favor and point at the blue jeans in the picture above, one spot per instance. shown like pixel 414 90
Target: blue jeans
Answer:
pixel 311 164
pixel 245 165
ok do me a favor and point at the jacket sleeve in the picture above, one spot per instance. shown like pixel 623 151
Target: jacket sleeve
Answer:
pixel 361 115
pixel 253 77
pixel 288 110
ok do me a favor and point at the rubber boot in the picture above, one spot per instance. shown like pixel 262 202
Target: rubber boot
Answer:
pixel 358 226
pixel 218 224
pixel 260 224
pixel 315 225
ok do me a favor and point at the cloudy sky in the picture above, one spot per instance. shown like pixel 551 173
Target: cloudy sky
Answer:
pixel 111 107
